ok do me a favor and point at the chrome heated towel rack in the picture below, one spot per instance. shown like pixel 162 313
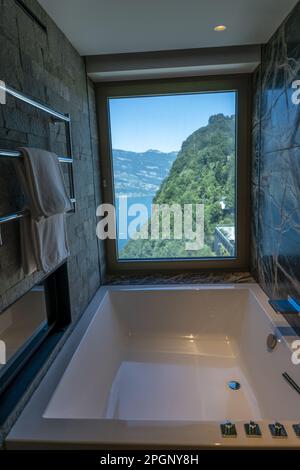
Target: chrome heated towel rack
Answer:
pixel 56 117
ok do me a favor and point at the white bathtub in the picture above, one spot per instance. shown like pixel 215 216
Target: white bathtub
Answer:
pixel 152 369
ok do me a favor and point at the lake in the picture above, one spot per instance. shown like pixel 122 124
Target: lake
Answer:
pixel 146 201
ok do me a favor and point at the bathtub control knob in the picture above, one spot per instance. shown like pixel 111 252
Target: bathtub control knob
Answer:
pixel 277 430
pixel 228 429
pixel 296 428
pixel 252 429
pixel 272 341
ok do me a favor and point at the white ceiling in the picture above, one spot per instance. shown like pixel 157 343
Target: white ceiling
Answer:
pixel 119 26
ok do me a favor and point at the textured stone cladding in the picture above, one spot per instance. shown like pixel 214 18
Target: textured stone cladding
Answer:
pixel 45 66
pixel 276 165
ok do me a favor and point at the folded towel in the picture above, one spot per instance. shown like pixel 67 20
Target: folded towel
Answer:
pixel 44 241
pixel 43 183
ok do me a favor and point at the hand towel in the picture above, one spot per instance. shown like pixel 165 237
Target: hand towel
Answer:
pixel 44 243
pixel 43 183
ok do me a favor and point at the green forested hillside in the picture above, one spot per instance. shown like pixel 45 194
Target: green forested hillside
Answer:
pixel 203 172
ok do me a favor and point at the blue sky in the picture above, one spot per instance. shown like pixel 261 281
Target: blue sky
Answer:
pixel 163 122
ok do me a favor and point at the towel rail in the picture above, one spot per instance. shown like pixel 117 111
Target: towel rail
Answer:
pixel 17 154
pixel 56 117
pixel 11 217
pixel 37 104
pixel 17 215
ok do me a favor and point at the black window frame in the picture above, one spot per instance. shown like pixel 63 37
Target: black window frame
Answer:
pixel 239 83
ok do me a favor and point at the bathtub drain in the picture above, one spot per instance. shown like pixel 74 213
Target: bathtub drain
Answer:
pixel 234 385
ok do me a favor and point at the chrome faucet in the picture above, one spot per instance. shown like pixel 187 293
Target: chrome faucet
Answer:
pixel 290 305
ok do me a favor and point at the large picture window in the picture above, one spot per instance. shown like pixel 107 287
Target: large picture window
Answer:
pixel 175 171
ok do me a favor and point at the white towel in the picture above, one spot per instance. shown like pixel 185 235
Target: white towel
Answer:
pixel 44 243
pixel 43 183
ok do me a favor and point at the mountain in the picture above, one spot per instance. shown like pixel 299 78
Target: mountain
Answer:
pixel 203 172
pixel 140 174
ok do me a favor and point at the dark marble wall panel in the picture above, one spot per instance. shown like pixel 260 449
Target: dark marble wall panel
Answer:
pixel 276 165
pixel 48 68
pixel 279 218
pixel 256 136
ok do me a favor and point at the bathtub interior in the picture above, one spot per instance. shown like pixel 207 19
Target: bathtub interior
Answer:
pixel 169 355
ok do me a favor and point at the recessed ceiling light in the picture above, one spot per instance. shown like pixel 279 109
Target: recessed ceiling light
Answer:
pixel 220 27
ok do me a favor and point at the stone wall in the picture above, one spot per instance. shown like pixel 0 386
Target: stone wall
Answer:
pixel 276 166
pixel 45 66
